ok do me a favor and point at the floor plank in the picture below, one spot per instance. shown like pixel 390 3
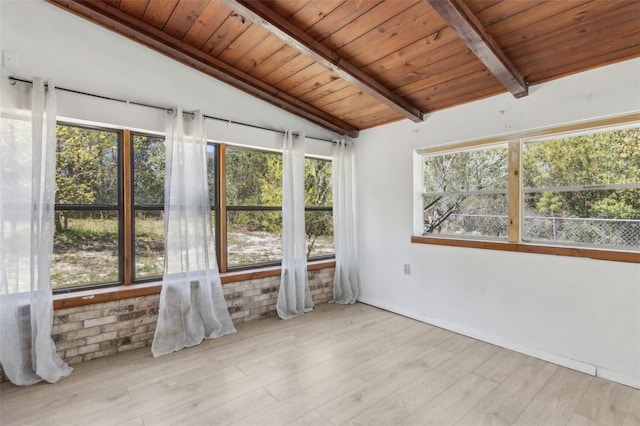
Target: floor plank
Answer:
pixel 337 365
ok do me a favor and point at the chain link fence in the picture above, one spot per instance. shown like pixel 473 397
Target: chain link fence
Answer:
pixel 609 232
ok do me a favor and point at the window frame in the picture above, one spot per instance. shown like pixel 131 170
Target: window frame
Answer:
pixel 130 286
pixel 224 207
pixel 119 207
pixel 515 193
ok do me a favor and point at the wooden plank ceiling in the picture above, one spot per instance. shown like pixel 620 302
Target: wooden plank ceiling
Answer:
pixel 354 64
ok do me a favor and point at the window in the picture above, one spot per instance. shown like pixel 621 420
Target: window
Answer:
pixel 583 189
pixel 563 189
pixel 148 158
pixel 89 208
pixel 318 200
pixel 465 193
pixel 254 207
pixel 109 219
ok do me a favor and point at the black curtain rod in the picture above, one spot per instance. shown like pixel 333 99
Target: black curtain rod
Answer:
pixel 13 81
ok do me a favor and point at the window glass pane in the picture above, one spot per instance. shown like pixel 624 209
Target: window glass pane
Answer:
pixel 85 248
pixel 253 237
pixel 577 207
pixel 254 178
pixel 211 173
pixel 605 217
pixel 148 170
pixel 319 233
pixel 467 215
pixel 149 243
pixel 611 157
pixel 317 183
pixel 86 166
pixel 482 169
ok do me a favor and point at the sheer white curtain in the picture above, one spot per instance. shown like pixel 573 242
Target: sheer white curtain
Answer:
pixel 27 195
pixel 294 297
pixel 192 305
pixel 345 282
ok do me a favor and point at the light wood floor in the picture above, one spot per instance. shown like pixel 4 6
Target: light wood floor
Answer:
pixel 337 365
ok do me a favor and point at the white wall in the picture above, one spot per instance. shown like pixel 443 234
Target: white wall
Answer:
pixel 577 312
pixel 79 55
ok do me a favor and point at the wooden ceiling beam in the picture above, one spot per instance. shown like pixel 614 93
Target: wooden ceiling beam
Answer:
pixel 266 18
pixel 458 16
pixel 116 20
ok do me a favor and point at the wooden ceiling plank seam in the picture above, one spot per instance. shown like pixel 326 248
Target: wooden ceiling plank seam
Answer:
pixel 528 24
pixel 318 80
pixel 315 83
pixel 603 21
pixel 212 17
pixel 366 113
pixel 589 46
pixel 464 68
pixel 183 17
pixel 607 58
pixel 471 81
pixel 302 42
pixel 135 8
pixel 366 23
pixel 116 20
pixel 338 96
pixel 276 61
pixel 311 72
pixel 448 94
pixel 503 10
pixel 413 66
pixel 158 12
pixel 259 53
pixel 460 18
pixel 297 64
pixel 315 12
pixel 286 9
pixel 480 5
pixel 414 24
pixel 420 50
pixel 325 90
pixel 243 44
pixel 232 28
pixel 363 101
pixel 339 18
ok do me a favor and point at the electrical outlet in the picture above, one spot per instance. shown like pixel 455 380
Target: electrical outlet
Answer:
pixel 9 59
pixel 407 269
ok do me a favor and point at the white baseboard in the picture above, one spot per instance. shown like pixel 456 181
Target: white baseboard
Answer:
pixel 621 378
pixel 507 344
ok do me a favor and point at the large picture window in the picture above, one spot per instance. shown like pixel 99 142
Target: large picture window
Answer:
pixel 579 190
pixel 109 221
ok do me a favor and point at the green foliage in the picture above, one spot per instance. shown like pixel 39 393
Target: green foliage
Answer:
pixel 148 170
pixel 254 178
pixel 477 170
pixel 86 169
pixel 86 166
pixel 611 157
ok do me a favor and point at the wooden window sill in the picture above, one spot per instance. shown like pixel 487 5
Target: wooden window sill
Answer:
pixel 109 294
pixel 592 253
